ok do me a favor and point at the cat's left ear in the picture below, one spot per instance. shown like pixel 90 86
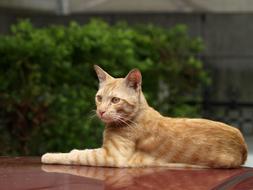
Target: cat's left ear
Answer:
pixel 134 79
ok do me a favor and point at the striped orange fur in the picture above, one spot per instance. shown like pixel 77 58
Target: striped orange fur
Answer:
pixel 136 135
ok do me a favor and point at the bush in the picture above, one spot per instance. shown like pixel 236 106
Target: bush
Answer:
pixel 47 82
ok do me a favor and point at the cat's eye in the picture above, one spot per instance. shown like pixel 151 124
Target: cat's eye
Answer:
pixel 115 100
pixel 99 98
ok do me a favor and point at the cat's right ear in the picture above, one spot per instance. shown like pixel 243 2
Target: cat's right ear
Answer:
pixel 133 79
pixel 102 75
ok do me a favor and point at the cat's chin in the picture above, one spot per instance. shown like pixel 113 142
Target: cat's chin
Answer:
pixel 107 121
pixel 112 122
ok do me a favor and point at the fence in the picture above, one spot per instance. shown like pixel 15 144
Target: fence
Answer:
pixel 236 114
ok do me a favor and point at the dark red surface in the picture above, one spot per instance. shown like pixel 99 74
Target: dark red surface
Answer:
pixel 28 173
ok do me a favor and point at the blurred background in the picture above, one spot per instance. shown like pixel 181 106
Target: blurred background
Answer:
pixel 196 59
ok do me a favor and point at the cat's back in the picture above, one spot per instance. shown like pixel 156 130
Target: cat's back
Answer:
pixel 153 121
pixel 201 126
pixel 196 127
pixel 198 140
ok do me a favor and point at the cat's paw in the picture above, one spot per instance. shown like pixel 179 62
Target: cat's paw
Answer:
pixel 55 158
pixel 46 158
pixel 74 151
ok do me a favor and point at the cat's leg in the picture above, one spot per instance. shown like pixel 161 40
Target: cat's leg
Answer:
pixel 140 159
pixel 89 157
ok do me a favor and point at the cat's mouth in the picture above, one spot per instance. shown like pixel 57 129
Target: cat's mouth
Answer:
pixel 109 120
pixel 106 119
pixel 115 121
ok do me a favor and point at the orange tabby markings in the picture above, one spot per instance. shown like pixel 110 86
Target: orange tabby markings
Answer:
pixel 78 159
pixel 94 157
pixel 136 135
pixel 115 145
pixel 179 155
pixel 88 157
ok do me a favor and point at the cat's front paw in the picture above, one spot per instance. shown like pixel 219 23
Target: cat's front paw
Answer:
pixel 74 151
pixel 55 158
pixel 46 158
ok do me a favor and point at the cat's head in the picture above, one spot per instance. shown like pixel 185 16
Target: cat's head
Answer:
pixel 118 99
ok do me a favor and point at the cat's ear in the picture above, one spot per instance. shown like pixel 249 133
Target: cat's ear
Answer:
pixel 133 79
pixel 102 75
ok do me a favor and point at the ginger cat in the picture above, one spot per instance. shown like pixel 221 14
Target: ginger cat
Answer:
pixel 136 135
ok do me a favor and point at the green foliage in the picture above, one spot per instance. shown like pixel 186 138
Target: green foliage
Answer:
pixel 47 82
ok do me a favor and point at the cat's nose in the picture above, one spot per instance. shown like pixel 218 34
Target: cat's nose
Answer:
pixel 101 113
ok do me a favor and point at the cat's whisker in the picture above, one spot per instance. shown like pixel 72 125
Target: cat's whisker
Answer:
pixel 125 122
pixel 116 117
pixel 135 124
pixel 92 114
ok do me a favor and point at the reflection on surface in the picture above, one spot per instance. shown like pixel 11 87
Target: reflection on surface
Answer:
pixel 148 178
pixel 24 173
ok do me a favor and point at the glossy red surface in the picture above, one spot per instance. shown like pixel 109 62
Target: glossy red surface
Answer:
pixel 24 173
